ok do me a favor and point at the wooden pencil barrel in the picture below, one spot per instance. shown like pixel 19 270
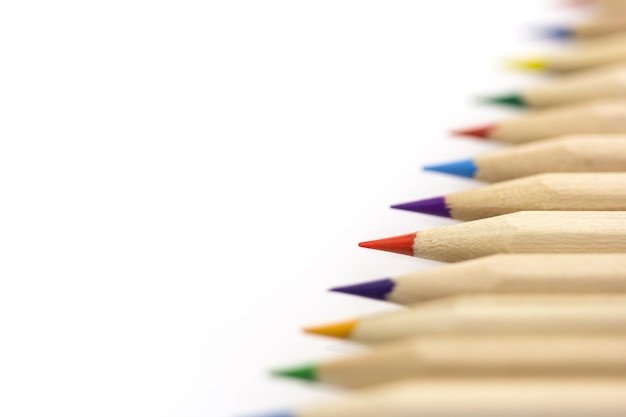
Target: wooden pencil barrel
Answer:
pixel 558 191
pixel 610 49
pixel 590 314
pixel 494 397
pixel 601 26
pixel 515 274
pixel 525 232
pixel 480 357
pixel 581 86
pixel 572 153
pixel 594 117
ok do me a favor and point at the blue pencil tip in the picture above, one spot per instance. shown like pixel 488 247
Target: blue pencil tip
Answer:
pixel 557 32
pixel 465 168
pixel 377 290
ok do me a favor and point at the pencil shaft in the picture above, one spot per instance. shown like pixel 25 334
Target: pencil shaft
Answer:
pixel 525 232
pixel 575 153
pixel 497 314
pixel 610 49
pixel 494 397
pixel 561 191
pixel 515 274
pixel 479 356
pixel 593 117
pixel 585 85
pixel 599 27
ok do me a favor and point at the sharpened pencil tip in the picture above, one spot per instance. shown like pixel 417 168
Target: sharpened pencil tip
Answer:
pixel 536 64
pixel 556 32
pixel 465 168
pixel 340 330
pixel 436 206
pixel 304 373
pixel 482 132
pixel 402 244
pixel 514 100
pixel 377 290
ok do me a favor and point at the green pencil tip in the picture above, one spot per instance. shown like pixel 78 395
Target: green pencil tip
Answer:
pixel 305 372
pixel 513 99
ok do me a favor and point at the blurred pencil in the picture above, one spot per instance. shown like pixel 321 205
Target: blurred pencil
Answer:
pixel 609 49
pixel 502 274
pixel 470 355
pixel 604 82
pixel 504 314
pixel 591 28
pixel 521 232
pixel 572 153
pixel 599 116
pixel 559 191
pixel 471 397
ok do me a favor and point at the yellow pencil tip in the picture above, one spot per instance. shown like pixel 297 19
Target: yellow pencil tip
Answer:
pixel 537 64
pixel 341 330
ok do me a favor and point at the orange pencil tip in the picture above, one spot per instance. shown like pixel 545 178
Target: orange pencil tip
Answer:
pixel 402 244
pixel 482 132
pixel 341 330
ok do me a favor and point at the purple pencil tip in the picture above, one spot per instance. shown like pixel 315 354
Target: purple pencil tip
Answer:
pixel 436 206
pixel 378 290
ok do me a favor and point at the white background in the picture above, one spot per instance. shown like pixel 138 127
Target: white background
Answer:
pixel 181 181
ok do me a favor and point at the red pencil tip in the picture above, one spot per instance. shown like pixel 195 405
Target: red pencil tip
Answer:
pixel 398 244
pixel 478 132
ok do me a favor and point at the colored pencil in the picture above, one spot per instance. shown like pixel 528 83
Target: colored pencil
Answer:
pixel 609 49
pixel 608 81
pixel 598 27
pixel 596 116
pixel 504 314
pixel 471 397
pixel 502 274
pixel 559 191
pixel 521 232
pixel 477 356
pixel 572 153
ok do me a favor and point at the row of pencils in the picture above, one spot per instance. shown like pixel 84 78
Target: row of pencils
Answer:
pixel 526 316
